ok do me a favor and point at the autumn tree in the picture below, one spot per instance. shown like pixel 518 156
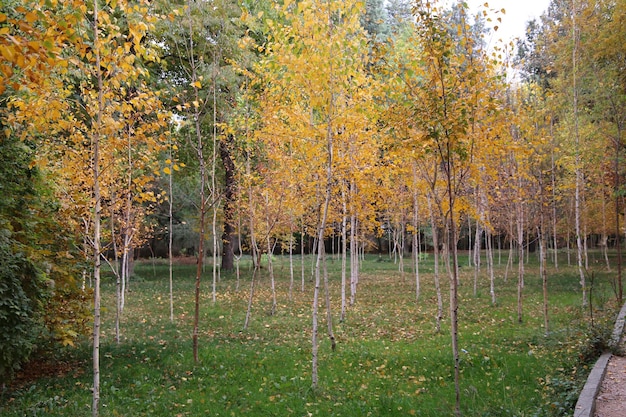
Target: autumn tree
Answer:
pixel 571 54
pixel 313 98
pixel 39 267
pixel 447 90
pixel 101 90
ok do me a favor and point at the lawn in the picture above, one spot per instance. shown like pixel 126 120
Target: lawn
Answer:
pixel 389 359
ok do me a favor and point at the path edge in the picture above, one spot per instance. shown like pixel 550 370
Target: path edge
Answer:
pixel 586 404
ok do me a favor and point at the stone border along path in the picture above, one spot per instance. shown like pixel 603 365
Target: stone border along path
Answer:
pixel 586 404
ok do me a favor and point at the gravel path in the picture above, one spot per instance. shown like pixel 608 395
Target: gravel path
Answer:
pixel 611 401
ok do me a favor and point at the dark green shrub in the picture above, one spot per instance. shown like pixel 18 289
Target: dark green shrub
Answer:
pixel 21 292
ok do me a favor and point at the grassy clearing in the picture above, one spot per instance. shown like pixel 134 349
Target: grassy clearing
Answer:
pixel 389 359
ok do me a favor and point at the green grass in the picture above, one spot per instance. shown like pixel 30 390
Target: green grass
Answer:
pixel 389 360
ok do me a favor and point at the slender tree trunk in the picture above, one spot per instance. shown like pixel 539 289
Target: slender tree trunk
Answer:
pixel 202 192
pixel 313 258
pixel 253 247
pixel 344 249
pixel 520 249
pixel 579 185
pixel 322 223
pixel 170 238
pixel 585 232
pixel 270 269
pixel 492 285
pixel 319 260
pixel 228 200
pixel 477 245
pixel 127 252
pixel 400 247
pixel 329 314
pixel 554 201
pixel 250 297
pixel 291 274
pixel 123 282
pixel 95 407
pixel 616 192
pixel 354 259
pixel 454 301
pixel 527 252
pixel 469 241
pixel 86 251
pixel 543 264
pixel 605 237
pixel 544 279
pixel 118 278
pixel 214 181
pixel 416 243
pixel 451 245
pixel 509 261
pixel 239 251
pixel 361 256
pixel 128 229
pixel 200 254
pixel 390 247
pixel 302 257
pixel 433 225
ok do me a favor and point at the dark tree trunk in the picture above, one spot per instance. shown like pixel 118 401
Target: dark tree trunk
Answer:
pixel 229 199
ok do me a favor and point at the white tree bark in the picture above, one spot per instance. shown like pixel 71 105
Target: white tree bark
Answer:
pixel 433 225
pixel 170 239
pixel 95 406
pixel 578 173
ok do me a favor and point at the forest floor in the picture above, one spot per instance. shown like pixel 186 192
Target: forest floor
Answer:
pixel 389 359
pixel 611 400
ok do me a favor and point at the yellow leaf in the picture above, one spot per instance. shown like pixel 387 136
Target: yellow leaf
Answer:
pixel 503 11
pixel 4 31
pixel 175 167
pixel 167 171
pixel 7 53
pixel 31 17
pixel 3 17
pixel 196 84
pixel 168 161
pixel 196 104
pixel 68 342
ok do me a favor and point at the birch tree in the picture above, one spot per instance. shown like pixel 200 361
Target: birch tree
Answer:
pixel 315 90
pixel 452 88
